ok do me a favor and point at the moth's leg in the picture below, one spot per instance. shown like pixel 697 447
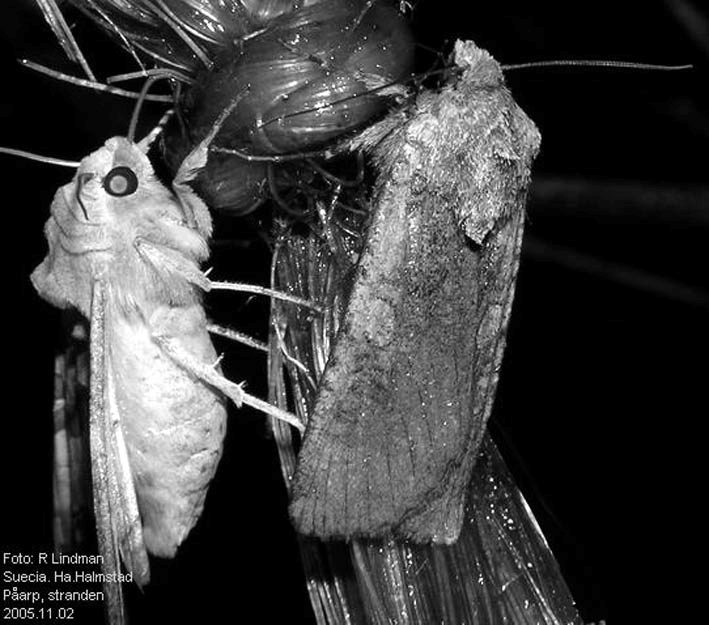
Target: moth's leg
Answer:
pixel 241 287
pixel 278 295
pixel 165 257
pixel 169 259
pixel 245 339
pixel 236 336
pixel 104 507
pixel 209 375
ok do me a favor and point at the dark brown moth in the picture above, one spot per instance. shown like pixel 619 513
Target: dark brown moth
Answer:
pixel 410 382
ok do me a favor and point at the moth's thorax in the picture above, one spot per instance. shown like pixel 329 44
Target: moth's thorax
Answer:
pixel 106 224
pixel 479 65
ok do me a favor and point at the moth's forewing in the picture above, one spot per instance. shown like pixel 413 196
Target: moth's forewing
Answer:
pixel 499 570
pixel 409 384
pixel 106 499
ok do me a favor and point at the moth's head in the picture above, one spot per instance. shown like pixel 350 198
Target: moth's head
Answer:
pixel 98 221
pixel 112 188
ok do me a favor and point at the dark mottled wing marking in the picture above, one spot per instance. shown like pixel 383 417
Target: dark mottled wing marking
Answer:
pixel 410 382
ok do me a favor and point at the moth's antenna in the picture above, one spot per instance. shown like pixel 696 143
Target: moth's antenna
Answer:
pixel 145 143
pixel 142 96
pixel 596 63
pixel 38 157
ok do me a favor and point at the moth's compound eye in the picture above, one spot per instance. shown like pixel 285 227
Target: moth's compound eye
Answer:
pixel 120 181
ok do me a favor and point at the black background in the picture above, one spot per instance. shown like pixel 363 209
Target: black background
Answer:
pixel 602 389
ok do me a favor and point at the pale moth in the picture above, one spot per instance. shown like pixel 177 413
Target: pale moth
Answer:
pixel 126 252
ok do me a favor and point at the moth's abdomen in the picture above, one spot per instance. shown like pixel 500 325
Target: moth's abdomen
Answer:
pixel 173 424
